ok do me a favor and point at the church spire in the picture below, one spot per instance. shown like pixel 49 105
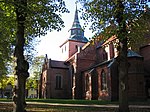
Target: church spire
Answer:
pixel 76 23
pixel 77 32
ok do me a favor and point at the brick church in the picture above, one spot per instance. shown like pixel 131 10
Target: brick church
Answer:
pixel 90 71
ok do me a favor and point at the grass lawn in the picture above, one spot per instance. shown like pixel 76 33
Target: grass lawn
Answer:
pixel 37 107
pixel 46 108
pixel 64 101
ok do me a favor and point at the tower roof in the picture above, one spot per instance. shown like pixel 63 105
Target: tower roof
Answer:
pixel 76 23
pixel 77 32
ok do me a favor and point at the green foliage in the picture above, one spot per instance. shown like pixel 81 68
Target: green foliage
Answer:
pixel 35 71
pixel 32 82
pixel 103 13
pixel 139 33
pixel 36 66
pixel 6 35
pixel 5 80
pixel 42 16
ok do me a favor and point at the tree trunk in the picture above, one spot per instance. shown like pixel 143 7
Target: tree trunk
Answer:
pixel 2 93
pixel 123 79
pixel 122 58
pixel 22 65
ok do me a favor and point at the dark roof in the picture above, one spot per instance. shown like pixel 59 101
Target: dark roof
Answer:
pixel 57 64
pixel 133 54
pixel 78 38
pixel 99 64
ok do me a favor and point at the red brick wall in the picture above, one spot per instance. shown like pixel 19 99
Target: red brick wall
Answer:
pixel 114 82
pixel 136 87
pixel 136 79
pixel 65 92
pixel 43 83
pixel 111 50
pixel 85 59
pixel 73 46
pixel 101 55
pixel 145 52
pixel 103 94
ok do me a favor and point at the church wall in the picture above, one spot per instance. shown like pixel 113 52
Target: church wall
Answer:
pixel 85 59
pixel 86 87
pixel 97 55
pixel 65 90
pixel 145 52
pixel 136 79
pixel 136 87
pixel 43 83
pixel 82 65
pixel 101 55
pixel 103 94
pixel 65 51
pixel 93 78
pixel 73 47
pixel 114 82
pixel 94 84
pixel 136 73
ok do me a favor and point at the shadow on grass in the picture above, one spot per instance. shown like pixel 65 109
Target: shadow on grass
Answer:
pixel 8 107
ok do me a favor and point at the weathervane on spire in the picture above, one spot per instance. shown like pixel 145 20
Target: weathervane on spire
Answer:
pixel 76 2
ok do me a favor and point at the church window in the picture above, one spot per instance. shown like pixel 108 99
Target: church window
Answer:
pixel 72 32
pixel 62 50
pixel 78 31
pixel 103 80
pixel 58 82
pixel 44 79
pixel 87 83
pixel 65 48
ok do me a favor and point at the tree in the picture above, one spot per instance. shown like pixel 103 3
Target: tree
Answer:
pixel 140 29
pixel 32 83
pixel 29 19
pixel 121 13
pixel 4 81
pixel 35 71
pixel 5 42
pixel 36 66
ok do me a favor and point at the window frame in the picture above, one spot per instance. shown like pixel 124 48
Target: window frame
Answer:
pixel 103 81
pixel 59 81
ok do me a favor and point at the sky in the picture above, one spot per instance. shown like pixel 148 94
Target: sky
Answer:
pixel 50 43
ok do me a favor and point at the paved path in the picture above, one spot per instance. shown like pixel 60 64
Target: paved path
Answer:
pixel 96 106
pixel 82 105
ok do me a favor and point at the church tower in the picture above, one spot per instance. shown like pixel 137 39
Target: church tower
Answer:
pixel 75 41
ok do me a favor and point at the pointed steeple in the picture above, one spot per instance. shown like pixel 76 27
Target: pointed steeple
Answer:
pixel 77 32
pixel 76 23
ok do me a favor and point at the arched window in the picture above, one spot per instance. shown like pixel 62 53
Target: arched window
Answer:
pixel 103 80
